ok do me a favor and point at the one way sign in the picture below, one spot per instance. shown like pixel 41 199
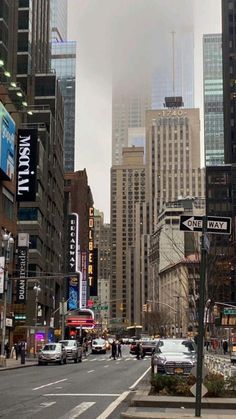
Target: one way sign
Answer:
pixel 215 225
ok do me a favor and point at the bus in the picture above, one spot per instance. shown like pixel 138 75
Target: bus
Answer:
pixel 134 331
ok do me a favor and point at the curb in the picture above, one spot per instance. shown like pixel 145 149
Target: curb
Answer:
pixel 178 402
pixel 131 413
pixel 17 367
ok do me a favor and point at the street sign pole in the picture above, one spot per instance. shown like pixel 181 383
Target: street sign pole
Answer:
pixel 200 337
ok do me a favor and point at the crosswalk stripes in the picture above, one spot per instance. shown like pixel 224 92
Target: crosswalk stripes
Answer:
pixel 77 410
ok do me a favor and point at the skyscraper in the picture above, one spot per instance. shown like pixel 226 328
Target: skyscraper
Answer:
pixel 63 60
pixel 213 99
pixel 173 157
pixel 229 77
pixel 59 20
pixel 127 191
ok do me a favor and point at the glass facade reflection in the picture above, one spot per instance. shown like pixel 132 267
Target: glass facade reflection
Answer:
pixel 58 20
pixel 213 99
pixel 63 61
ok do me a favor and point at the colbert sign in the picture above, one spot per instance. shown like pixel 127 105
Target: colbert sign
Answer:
pixel 26 165
pixel 73 235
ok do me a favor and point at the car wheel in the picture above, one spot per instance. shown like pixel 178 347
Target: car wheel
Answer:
pixel 40 363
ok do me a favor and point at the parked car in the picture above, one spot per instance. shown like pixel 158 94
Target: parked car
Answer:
pixel 174 356
pixel 99 346
pixel 148 346
pixel 73 350
pixel 52 353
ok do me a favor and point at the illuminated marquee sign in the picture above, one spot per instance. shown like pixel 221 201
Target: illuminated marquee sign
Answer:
pixel 73 233
pixel 83 281
pixel 91 247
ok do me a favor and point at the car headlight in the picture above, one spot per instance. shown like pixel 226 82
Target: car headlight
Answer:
pixel 161 360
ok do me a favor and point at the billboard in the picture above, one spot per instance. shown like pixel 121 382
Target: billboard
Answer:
pixel 73 299
pixel 73 238
pixel 7 144
pixel 26 164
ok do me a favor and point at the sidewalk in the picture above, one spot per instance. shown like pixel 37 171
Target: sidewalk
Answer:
pixel 167 407
pixel 14 364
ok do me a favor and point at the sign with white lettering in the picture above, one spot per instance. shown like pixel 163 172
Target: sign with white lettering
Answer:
pixel 22 266
pixel 23 248
pixel 73 239
pixel 2 266
pixel 83 281
pixel 26 165
pixel 215 225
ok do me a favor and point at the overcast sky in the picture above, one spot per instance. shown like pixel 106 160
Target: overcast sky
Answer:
pixel 108 33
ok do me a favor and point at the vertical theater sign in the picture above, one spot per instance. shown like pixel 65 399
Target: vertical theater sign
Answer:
pixel 91 246
pixel 72 268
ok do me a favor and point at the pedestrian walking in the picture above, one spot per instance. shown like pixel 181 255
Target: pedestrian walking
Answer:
pixel 7 350
pixel 138 350
pixel 113 350
pixel 225 346
pixel 119 354
pixel 16 350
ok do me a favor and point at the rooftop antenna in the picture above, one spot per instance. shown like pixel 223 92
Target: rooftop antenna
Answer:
pixel 173 60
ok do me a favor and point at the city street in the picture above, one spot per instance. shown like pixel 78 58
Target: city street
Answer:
pixel 91 389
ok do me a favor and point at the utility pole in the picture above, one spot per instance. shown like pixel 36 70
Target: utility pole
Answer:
pixel 200 337
pixel 63 319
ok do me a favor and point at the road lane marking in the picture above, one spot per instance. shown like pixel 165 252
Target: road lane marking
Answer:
pixel 47 404
pixel 106 366
pixel 113 405
pixel 77 410
pixel 50 384
pixel 139 379
pixel 90 371
pixel 81 394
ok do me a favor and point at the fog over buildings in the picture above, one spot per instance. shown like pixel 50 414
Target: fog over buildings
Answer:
pixel 122 45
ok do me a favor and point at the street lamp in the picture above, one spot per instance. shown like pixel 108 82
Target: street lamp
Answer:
pixel 7 244
pixel 37 290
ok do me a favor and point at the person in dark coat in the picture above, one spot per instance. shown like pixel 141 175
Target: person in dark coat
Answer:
pixel 119 354
pixel 138 350
pixel 225 347
pixel 113 349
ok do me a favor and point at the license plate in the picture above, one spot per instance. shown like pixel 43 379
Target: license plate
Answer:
pixel 178 370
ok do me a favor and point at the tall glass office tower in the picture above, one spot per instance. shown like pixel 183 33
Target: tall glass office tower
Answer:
pixel 63 60
pixel 58 20
pixel 213 99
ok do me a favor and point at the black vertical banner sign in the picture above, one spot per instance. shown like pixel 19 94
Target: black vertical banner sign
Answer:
pixel 22 268
pixel 26 165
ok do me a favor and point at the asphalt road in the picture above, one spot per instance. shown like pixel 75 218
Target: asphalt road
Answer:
pixel 96 388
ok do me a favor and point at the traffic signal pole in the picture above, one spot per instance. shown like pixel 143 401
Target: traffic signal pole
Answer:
pixel 200 337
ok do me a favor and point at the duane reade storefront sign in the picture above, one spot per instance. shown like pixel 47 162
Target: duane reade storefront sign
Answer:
pixel 22 267
pixel 26 165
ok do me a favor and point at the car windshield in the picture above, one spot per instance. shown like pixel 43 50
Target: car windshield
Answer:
pixel 176 346
pixel 99 342
pixel 67 343
pixel 50 347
